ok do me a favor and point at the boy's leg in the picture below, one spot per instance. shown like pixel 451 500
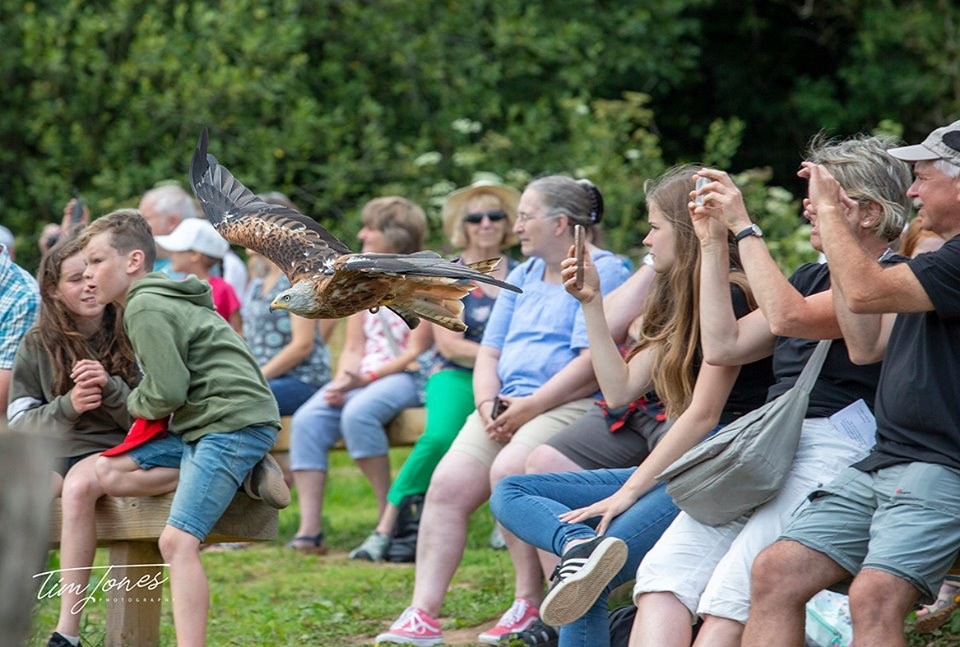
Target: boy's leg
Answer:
pixel 189 591
pixel 78 540
pixel 211 472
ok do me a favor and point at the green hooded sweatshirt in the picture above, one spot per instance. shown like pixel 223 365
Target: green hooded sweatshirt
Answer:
pixel 195 365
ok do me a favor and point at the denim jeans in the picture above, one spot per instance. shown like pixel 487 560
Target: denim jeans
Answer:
pixel 529 505
pixel 361 422
pixel 290 393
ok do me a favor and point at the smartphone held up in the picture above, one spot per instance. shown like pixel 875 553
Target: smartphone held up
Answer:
pixel 701 182
pixel 579 247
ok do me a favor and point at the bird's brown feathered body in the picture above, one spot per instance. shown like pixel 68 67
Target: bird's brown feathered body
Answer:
pixel 328 281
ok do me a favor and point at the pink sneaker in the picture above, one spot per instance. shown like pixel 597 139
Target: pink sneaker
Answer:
pixel 413 627
pixel 519 617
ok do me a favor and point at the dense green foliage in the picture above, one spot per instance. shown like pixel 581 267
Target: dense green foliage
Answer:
pixel 338 101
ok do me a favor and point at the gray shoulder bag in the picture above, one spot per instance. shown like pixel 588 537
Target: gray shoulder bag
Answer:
pixel 744 464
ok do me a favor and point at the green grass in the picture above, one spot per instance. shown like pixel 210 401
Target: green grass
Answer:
pixel 268 595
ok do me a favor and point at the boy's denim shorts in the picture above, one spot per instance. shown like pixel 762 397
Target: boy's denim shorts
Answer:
pixel 212 469
pixel 903 519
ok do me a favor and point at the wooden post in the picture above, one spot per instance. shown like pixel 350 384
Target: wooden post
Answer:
pixel 25 464
pixel 133 610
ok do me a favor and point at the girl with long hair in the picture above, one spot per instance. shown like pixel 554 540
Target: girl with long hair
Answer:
pixel 613 516
pixel 71 377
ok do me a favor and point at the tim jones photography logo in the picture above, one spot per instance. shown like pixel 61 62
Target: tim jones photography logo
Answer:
pixel 146 588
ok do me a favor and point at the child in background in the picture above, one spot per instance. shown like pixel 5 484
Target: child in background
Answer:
pixel 195 247
pixel 225 418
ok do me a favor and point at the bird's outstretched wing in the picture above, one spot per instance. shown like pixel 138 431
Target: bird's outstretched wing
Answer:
pixel 296 243
pixel 427 263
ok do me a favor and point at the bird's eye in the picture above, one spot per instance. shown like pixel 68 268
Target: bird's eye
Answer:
pixel 286 297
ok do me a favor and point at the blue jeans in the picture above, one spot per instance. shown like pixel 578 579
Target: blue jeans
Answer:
pixel 529 505
pixel 361 422
pixel 290 393
pixel 212 469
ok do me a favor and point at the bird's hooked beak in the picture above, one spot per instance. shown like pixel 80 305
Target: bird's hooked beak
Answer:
pixel 282 302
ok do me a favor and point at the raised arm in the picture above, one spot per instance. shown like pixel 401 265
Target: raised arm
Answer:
pixel 619 382
pixel 787 311
pixel 626 302
pixel 867 286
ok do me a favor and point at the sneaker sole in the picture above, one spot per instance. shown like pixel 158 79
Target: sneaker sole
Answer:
pixel 573 597
pixel 396 639
pixel 269 484
pixel 491 639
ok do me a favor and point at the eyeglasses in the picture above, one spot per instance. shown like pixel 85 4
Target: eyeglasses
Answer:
pixel 494 216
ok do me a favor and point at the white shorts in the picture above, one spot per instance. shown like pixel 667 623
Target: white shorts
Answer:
pixel 708 567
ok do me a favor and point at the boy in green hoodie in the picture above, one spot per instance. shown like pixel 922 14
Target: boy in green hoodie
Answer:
pixel 199 371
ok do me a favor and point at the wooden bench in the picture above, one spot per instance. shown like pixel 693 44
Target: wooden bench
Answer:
pixel 130 527
pixel 402 430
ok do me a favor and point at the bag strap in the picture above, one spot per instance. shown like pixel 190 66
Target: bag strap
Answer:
pixel 808 377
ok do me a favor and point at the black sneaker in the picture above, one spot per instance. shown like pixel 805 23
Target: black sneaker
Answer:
pixel 539 634
pixel 580 577
pixel 57 640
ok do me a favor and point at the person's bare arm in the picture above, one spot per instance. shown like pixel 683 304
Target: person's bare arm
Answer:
pixel 455 347
pixel 5 374
pixel 619 382
pixel 626 302
pixel 296 351
pixel 486 382
pixel 327 326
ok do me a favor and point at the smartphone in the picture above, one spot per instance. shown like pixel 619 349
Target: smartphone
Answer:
pixel 499 406
pixel 701 182
pixel 579 249
pixel 76 214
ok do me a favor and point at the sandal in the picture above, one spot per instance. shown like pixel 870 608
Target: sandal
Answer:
pixel 933 616
pixel 308 544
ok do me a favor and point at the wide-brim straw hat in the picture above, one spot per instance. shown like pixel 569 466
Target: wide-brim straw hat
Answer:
pixel 455 203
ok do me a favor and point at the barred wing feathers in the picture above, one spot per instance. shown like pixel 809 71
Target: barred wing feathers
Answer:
pixel 297 244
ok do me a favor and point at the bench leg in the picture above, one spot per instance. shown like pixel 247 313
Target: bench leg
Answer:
pixel 133 604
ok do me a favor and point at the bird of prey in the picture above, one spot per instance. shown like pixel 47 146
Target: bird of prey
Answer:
pixel 328 281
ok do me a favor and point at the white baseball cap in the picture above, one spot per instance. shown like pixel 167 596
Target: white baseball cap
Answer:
pixel 194 235
pixel 942 143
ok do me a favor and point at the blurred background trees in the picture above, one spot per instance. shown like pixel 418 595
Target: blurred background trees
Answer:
pixel 335 102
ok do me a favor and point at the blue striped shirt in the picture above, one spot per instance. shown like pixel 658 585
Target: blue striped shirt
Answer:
pixel 19 306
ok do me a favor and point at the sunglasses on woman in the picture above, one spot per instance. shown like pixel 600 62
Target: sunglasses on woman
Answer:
pixel 476 218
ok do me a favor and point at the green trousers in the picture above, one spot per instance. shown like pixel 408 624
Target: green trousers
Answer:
pixel 449 400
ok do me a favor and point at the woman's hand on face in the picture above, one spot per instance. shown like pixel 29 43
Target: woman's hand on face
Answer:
pixel 591 280
pixel 607 509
